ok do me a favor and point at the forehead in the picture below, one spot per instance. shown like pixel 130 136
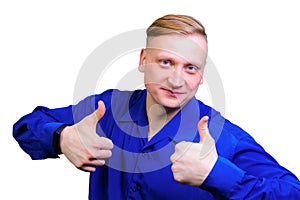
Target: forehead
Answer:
pixel 192 48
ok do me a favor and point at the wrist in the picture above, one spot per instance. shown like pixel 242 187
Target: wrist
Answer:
pixel 56 138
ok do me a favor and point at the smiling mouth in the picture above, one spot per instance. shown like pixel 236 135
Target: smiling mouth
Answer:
pixel 170 92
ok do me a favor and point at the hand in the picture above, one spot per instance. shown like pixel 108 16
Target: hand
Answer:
pixel 81 144
pixel 192 162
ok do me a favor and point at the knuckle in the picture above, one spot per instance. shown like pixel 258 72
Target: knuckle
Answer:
pixel 180 145
pixel 105 143
pixel 101 154
pixel 98 162
pixel 105 154
pixel 101 162
pixel 177 147
pixel 88 168
pixel 91 156
pixel 78 165
pixel 178 178
pixel 111 145
pixel 172 158
pixel 174 168
pixel 109 154
pixel 84 162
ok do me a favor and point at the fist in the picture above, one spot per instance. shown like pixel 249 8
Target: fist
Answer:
pixel 192 162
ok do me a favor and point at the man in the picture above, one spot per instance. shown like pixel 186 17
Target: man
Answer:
pixel 159 143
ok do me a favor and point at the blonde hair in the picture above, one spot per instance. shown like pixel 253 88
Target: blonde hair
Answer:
pixel 175 24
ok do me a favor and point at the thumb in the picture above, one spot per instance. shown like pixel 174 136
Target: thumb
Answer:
pixel 97 114
pixel 100 110
pixel 203 128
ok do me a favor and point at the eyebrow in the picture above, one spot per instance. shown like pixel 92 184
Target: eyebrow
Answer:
pixel 173 56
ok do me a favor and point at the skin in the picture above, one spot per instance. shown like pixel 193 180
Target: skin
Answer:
pixel 192 162
pixel 173 68
pixel 83 147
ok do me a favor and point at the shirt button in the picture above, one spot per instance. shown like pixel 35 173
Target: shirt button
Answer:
pixel 135 188
pixel 144 154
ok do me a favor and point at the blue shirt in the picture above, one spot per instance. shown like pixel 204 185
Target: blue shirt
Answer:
pixel 141 169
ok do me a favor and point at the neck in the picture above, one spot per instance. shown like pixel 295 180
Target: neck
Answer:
pixel 158 116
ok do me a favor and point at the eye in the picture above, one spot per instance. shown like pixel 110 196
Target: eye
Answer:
pixel 165 63
pixel 192 69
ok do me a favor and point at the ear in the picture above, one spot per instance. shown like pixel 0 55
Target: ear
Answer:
pixel 202 77
pixel 201 81
pixel 142 60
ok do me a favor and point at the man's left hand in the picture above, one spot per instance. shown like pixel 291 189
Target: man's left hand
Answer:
pixel 192 162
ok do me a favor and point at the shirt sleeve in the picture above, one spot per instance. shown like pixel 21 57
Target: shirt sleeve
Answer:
pixel 251 174
pixel 34 132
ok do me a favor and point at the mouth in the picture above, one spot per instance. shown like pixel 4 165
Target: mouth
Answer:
pixel 171 92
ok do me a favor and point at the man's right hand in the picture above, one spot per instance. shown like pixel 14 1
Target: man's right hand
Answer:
pixel 83 146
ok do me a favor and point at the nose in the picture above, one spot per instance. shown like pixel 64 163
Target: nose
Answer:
pixel 175 78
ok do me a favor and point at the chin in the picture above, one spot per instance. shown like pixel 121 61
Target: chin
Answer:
pixel 171 105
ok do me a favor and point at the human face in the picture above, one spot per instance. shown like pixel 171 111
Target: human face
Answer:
pixel 173 69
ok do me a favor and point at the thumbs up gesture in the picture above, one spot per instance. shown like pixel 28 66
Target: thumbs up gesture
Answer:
pixel 83 146
pixel 192 162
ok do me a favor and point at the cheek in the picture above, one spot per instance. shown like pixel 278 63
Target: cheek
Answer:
pixel 192 86
pixel 149 78
pixel 193 82
pixel 154 75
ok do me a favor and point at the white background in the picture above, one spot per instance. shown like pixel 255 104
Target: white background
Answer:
pixel 43 44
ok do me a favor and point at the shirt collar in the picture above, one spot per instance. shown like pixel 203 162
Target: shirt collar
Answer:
pixel 136 111
pixel 182 127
